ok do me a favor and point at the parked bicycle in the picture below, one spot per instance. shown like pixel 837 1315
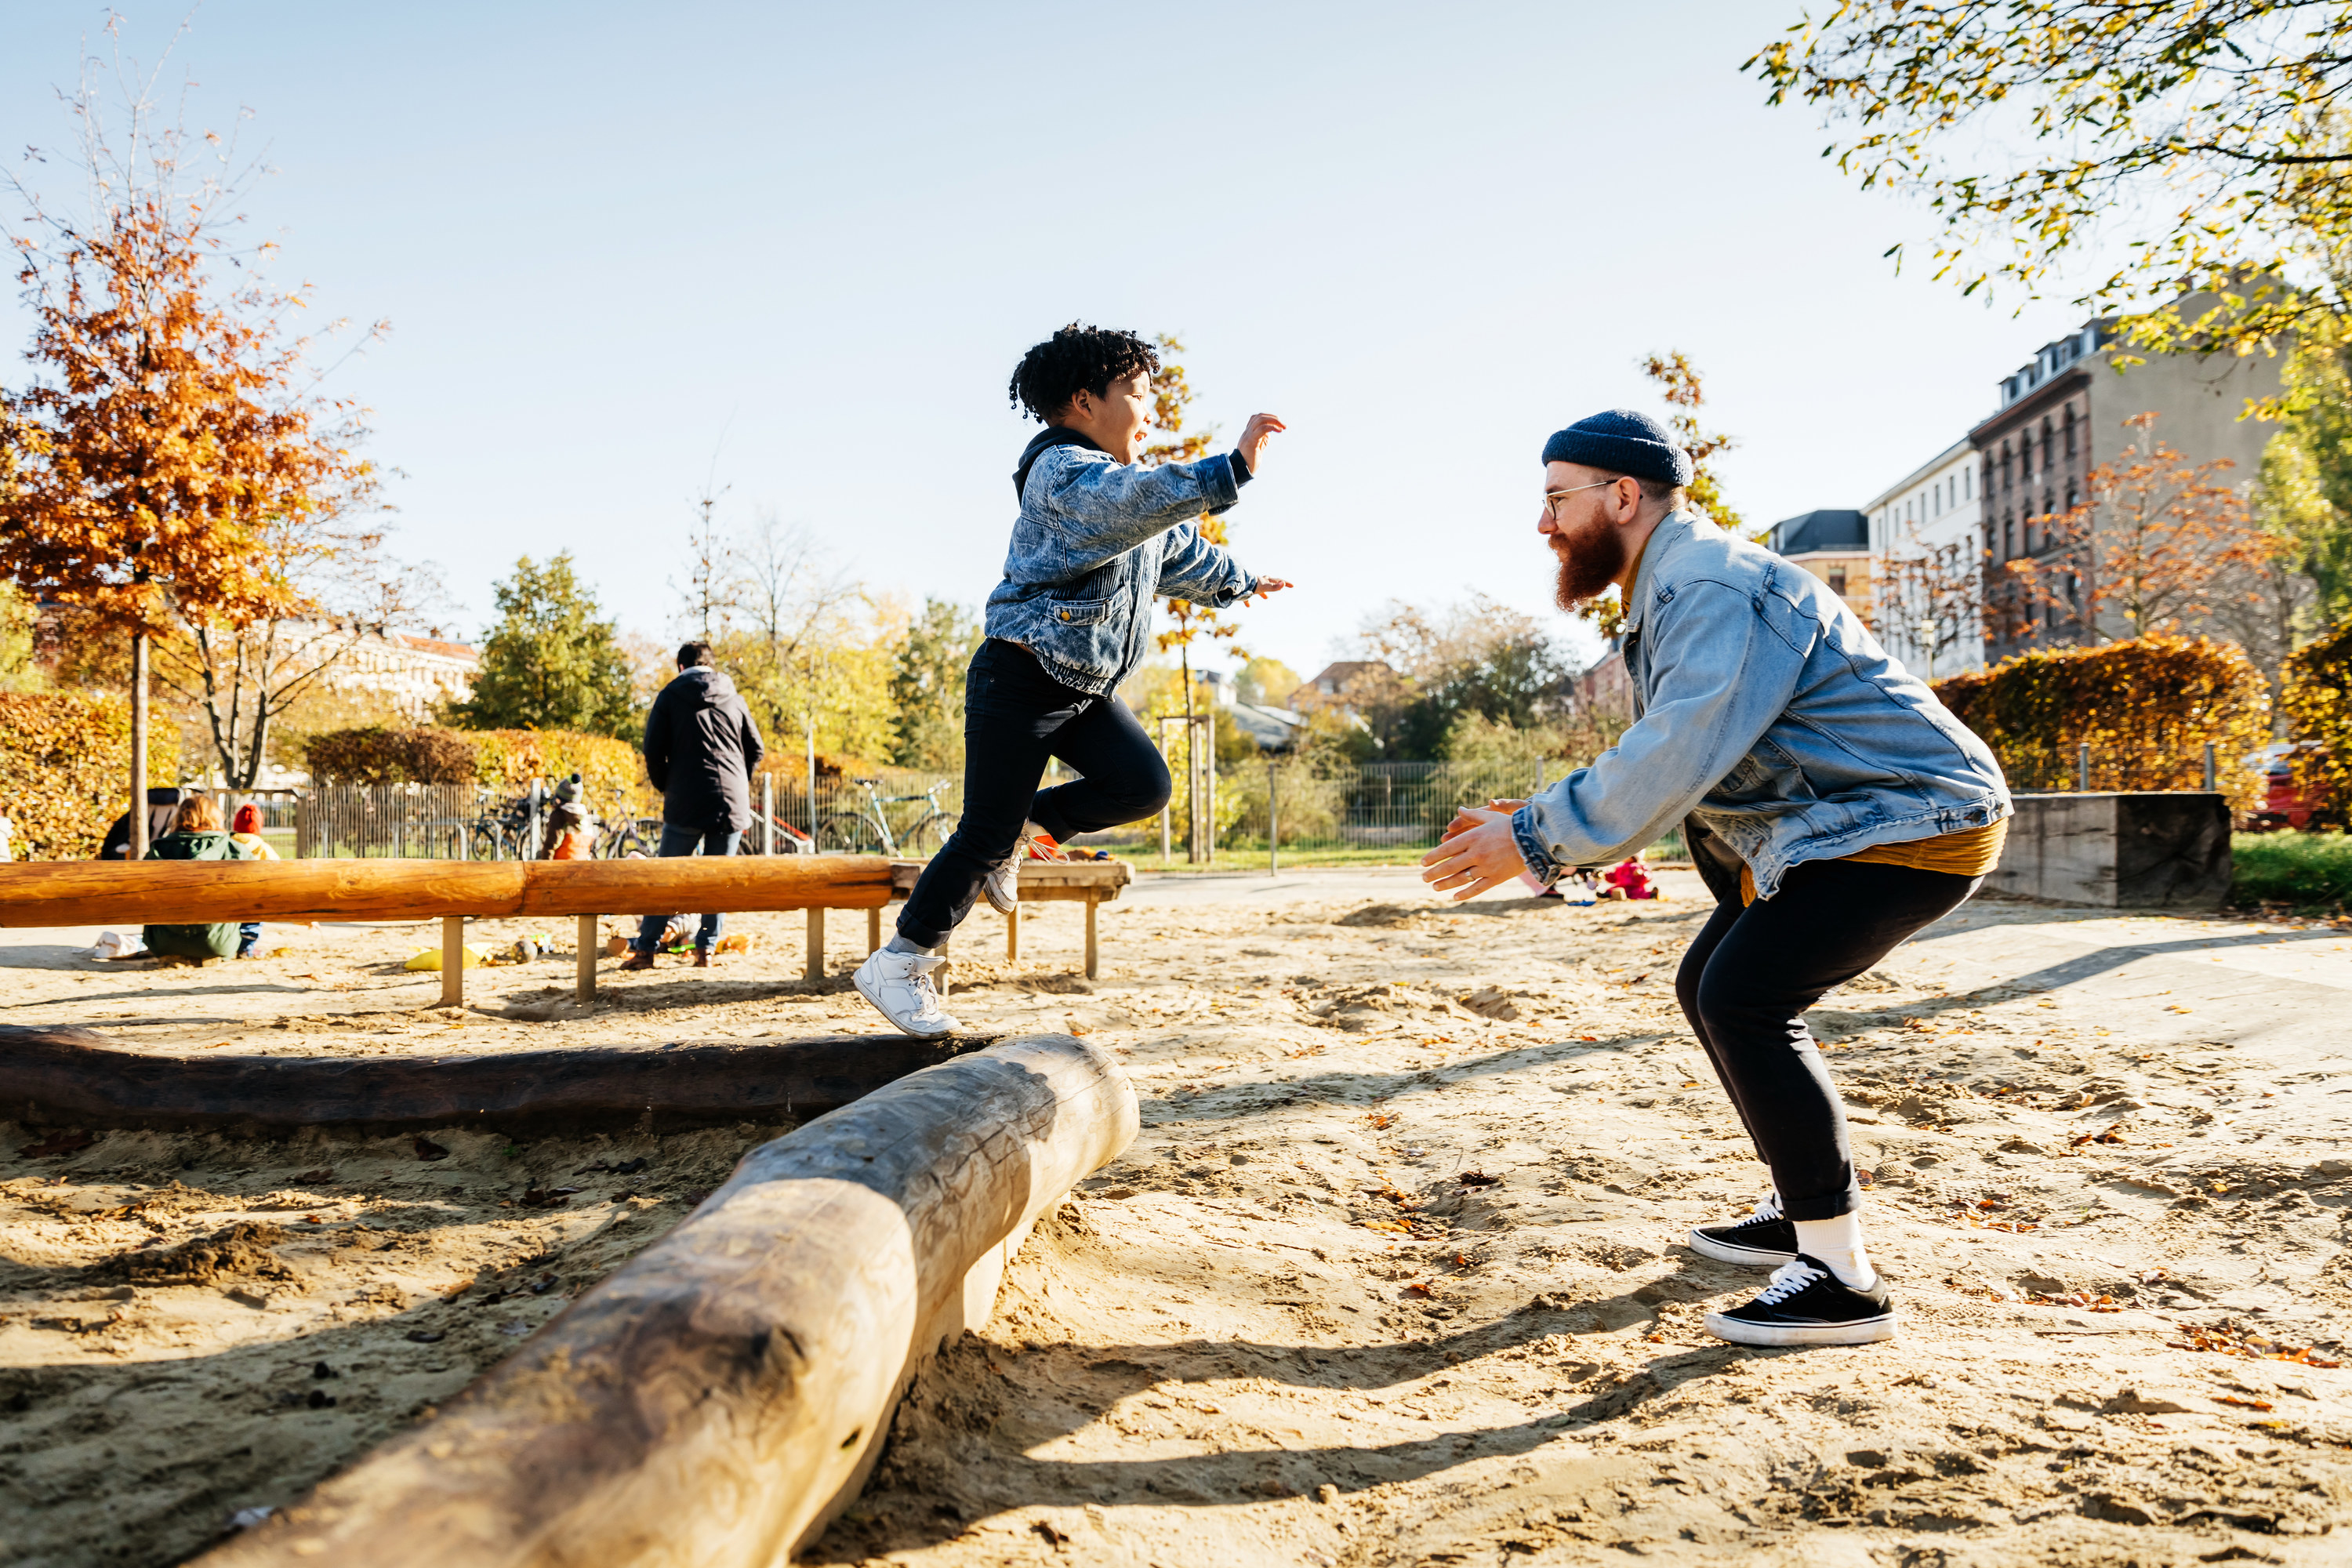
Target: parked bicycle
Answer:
pixel 867 830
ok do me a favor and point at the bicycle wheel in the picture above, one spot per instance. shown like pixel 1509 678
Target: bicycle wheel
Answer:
pixel 927 837
pixel 847 833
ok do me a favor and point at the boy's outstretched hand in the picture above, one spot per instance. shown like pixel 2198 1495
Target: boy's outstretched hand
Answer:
pixel 1478 853
pixel 1268 585
pixel 1261 429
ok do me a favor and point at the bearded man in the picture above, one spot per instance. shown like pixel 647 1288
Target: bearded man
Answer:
pixel 1834 806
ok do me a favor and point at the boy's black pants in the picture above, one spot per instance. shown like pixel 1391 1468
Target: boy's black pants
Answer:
pixel 1015 716
pixel 1749 978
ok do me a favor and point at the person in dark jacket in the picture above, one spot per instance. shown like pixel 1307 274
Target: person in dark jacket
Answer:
pixel 700 748
pixel 196 836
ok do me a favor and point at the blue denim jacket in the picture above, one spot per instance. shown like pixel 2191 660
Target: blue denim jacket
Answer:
pixel 1763 705
pixel 1098 540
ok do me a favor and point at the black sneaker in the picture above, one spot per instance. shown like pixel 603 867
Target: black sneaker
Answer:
pixel 1762 1240
pixel 1808 1305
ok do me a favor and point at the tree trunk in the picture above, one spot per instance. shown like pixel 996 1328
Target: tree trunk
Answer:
pixel 80 1078
pixel 714 1402
pixel 138 850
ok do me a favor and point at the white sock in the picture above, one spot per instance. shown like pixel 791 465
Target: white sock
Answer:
pixel 901 945
pixel 1838 1243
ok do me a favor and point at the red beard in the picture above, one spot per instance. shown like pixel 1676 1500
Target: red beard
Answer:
pixel 1590 559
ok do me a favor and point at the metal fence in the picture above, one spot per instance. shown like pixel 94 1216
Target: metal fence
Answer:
pixel 896 811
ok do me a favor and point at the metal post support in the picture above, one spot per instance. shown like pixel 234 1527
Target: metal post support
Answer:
pixel 1273 838
pixel 136 849
pixel 1209 787
pixel 2083 769
pixel 814 968
pixel 811 783
pixel 585 964
pixel 2211 778
pixel 453 961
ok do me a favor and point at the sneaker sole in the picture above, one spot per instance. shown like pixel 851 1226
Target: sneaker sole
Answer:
pixel 1865 1331
pixel 1732 1252
pixel 871 1001
pixel 989 893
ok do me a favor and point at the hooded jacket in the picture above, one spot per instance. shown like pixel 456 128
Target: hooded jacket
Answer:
pixel 700 748
pixel 1097 541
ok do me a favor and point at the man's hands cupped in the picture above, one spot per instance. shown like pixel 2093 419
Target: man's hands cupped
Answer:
pixel 1478 852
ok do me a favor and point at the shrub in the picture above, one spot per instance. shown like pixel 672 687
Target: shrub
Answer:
pixel 503 761
pixel 2146 707
pixel 64 766
pixel 376 754
pixel 2311 692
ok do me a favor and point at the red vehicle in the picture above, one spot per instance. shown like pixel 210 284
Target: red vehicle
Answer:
pixel 2284 802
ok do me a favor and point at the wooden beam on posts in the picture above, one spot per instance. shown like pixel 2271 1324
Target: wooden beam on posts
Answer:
pixel 79 1078
pixel 717 1399
pixel 194 892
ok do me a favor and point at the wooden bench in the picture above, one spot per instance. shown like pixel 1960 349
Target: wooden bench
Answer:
pixel 1091 882
pixel 208 892
pixel 205 892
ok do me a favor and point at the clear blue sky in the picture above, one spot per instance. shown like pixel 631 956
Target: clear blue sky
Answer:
pixel 1425 236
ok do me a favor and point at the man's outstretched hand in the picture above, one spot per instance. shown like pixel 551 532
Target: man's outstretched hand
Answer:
pixel 1267 585
pixel 1478 853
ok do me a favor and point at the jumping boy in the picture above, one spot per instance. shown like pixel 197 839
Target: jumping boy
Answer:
pixel 1832 805
pixel 1099 538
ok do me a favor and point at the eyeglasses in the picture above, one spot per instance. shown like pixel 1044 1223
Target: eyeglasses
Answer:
pixel 1553 498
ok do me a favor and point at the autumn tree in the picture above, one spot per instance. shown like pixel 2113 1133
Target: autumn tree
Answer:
pixel 1928 597
pixel 169 464
pixel 1171 403
pixel 2156 545
pixel 1685 396
pixel 926 687
pixel 553 661
pixel 2168 149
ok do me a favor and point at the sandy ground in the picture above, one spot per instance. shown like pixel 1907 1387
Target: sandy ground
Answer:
pixel 1393 1276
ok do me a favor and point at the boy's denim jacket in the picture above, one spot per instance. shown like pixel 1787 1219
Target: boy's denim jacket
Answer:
pixel 1765 707
pixel 1098 540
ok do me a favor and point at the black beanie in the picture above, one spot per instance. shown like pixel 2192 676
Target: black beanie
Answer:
pixel 1622 441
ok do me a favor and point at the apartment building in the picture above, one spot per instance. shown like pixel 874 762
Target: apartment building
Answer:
pixel 1925 545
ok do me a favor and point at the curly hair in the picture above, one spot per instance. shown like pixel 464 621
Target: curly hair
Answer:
pixel 1078 359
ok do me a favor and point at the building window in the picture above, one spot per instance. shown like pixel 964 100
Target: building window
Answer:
pixel 2074 495
pixel 1837 581
pixel 2070 429
pixel 2025 455
pixel 2007 535
pixel 1968 479
pixel 2049 452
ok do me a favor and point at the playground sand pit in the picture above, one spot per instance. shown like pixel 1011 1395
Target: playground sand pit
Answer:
pixel 1394 1274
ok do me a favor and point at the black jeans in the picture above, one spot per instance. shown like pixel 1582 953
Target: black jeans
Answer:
pixel 1015 716
pixel 1749 978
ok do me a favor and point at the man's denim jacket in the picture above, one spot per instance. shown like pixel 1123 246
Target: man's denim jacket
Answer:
pixel 1765 707
pixel 1098 540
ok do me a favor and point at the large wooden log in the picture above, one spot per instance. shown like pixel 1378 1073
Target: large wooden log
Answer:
pixel 706 883
pixel 77 1078
pixel 199 892
pixel 713 1403
pixel 192 892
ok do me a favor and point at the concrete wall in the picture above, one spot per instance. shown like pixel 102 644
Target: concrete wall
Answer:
pixel 2144 850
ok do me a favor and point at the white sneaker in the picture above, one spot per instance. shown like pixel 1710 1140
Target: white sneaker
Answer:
pixel 900 986
pixel 1003 883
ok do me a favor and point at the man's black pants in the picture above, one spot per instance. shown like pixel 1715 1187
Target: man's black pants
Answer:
pixel 1749 978
pixel 1015 716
